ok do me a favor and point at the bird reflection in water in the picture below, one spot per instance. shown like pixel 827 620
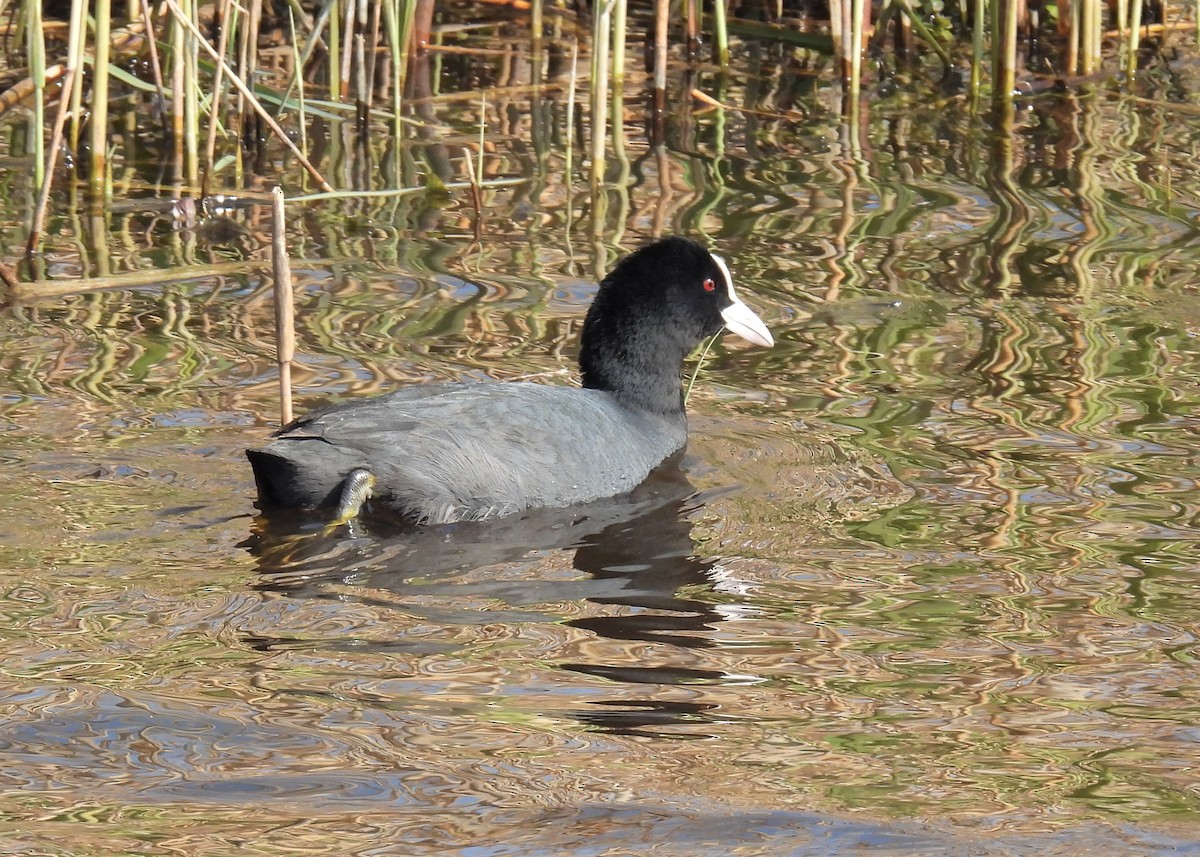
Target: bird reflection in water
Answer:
pixel 636 549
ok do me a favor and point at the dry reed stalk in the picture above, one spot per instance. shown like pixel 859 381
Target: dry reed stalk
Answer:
pixel 476 175
pixel 423 22
pixel 238 19
pixel 191 103
pixel 568 144
pixel 1004 52
pixel 299 79
pixel 210 146
pixel 1071 63
pixel 285 312
pixel 77 84
pixel 251 99
pixel 1150 29
pixel 858 9
pixel 1135 34
pixel 373 27
pixel 602 15
pixel 152 44
pixel 8 277
pixel 903 33
pixel 253 15
pixel 348 31
pixel 25 88
pixel 60 120
pixel 620 16
pixel 537 19
pixel 30 292
pixel 662 18
pixel 177 110
pixel 839 32
pixel 99 118
pixel 392 193
pixel 711 103
pixel 1089 26
pixel 692 19
pixel 362 95
pixel 980 14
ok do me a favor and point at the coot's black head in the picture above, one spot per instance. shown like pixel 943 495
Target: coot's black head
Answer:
pixel 655 306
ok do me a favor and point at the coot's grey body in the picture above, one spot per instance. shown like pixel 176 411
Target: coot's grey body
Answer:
pixel 452 452
pixel 437 453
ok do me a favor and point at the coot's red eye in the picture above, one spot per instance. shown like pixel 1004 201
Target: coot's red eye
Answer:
pixel 709 285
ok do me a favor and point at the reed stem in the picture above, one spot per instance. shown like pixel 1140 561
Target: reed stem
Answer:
pixel 348 31
pixel 152 45
pixel 99 118
pixel 1004 59
pixel 662 18
pixel 1135 35
pixel 601 18
pixel 285 313
pixel 36 40
pixel 191 100
pixel 537 23
pixel 620 15
pixel 335 56
pixel 856 50
pixel 980 15
pixel 214 111
pixel 568 143
pixel 299 82
pixel 1090 24
pixel 254 103
pixel 178 121
pixel 76 36
pixel 692 28
pixel 721 31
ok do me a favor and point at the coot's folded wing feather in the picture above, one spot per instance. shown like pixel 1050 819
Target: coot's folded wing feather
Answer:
pixel 480 450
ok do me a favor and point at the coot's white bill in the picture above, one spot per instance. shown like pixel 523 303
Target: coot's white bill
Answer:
pixel 740 319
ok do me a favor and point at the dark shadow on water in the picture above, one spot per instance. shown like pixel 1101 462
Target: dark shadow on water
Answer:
pixel 636 550
pixel 641 717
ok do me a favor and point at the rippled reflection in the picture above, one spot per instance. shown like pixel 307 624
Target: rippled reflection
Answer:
pixel 638 551
pixel 929 562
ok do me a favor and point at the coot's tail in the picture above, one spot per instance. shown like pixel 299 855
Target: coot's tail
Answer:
pixel 287 477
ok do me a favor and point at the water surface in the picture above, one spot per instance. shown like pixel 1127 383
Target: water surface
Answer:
pixel 924 582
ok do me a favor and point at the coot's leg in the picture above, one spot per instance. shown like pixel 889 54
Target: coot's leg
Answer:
pixel 356 490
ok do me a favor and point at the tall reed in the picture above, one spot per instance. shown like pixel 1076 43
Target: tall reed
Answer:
pixel 99 119
pixel 359 49
pixel 1134 31
pixel 721 32
pixel 601 18
pixel 36 41
pixel 1004 49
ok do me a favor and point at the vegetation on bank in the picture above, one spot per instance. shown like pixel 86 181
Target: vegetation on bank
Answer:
pixel 221 79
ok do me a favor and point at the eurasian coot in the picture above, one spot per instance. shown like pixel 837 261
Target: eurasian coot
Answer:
pixel 437 453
